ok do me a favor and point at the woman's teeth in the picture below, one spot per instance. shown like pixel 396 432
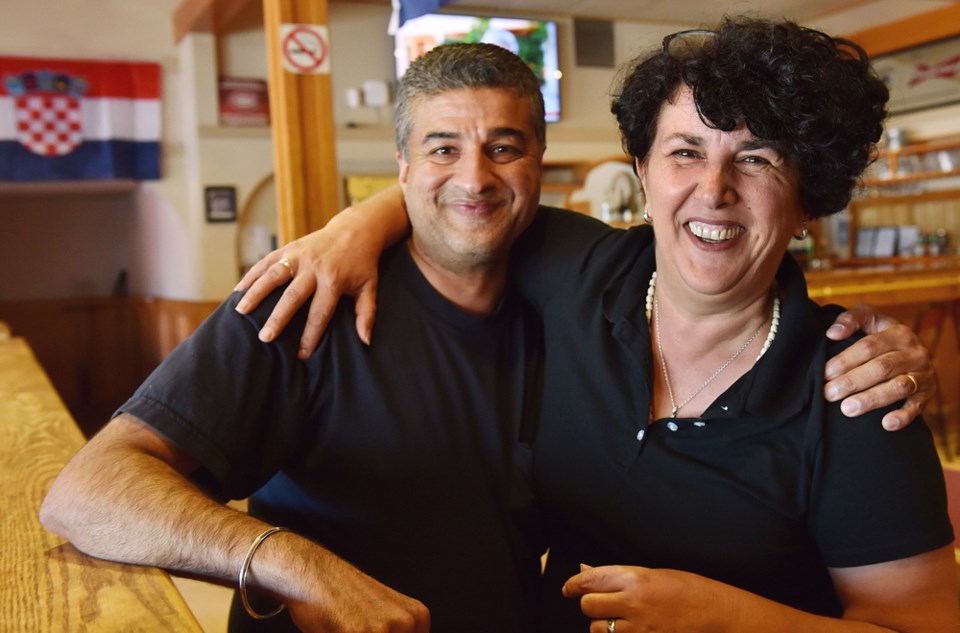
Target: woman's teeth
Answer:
pixel 713 233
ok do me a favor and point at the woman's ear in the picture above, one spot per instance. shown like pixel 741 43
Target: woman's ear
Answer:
pixel 641 172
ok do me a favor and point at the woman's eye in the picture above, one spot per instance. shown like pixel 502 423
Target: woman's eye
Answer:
pixel 686 153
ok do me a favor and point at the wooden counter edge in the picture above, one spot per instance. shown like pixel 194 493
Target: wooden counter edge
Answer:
pixel 45 583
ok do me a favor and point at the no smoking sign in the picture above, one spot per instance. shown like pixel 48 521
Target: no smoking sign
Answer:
pixel 305 48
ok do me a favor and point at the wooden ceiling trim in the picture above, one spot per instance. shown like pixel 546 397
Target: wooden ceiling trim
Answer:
pixel 205 16
pixel 911 31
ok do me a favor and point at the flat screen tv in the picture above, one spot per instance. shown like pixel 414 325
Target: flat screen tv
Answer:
pixel 535 41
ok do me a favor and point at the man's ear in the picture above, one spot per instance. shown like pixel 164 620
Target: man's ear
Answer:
pixel 404 167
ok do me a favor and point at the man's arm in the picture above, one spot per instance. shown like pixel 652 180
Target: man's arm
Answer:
pixel 126 496
pixel 871 373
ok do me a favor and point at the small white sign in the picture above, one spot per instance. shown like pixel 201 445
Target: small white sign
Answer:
pixel 305 48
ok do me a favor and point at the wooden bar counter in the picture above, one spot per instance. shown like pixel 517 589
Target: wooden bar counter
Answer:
pixel 893 282
pixel 47 585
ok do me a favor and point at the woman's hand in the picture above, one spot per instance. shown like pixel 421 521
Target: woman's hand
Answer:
pixel 652 600
pixel 321 267
pixel 872 373
pixel 339 259
pixel 917 593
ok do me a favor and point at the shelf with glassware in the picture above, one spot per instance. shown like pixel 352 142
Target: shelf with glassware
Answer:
pixel 908 210
pixel 915 163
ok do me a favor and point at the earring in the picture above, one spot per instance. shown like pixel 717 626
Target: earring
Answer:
pixel 803 231
pixel 646 216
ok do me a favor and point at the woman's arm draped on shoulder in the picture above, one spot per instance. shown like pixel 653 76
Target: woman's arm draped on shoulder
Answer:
pixel 339 259
pixel 871 374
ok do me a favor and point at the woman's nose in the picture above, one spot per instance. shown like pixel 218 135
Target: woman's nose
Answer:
pixel 716 187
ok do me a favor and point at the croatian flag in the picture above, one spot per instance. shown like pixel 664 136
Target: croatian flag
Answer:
pixel 79 119
pixel 404 10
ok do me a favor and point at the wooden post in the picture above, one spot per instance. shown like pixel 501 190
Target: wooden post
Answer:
pixel 301 113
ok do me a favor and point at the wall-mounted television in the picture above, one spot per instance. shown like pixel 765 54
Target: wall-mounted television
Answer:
pixel 535 41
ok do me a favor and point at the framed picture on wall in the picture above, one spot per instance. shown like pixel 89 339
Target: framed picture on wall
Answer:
pixel 221 203
pixel 866 236
pixel 922 77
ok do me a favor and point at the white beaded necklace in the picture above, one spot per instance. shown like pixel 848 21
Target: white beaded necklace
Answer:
pixel 653 306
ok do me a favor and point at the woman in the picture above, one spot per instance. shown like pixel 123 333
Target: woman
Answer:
pixel 692 475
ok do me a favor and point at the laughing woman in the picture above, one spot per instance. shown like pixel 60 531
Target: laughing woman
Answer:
pixel 693 476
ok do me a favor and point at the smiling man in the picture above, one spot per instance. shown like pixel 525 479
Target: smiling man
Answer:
pixel 401 470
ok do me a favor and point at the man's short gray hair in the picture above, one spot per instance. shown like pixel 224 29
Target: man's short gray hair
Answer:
pixel 458 66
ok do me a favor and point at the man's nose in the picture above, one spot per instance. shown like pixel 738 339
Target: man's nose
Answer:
pixel 475 172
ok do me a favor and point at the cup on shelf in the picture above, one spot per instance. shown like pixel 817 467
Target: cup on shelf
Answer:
pixel 946 160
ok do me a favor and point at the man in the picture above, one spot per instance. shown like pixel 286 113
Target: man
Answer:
pixel 400 469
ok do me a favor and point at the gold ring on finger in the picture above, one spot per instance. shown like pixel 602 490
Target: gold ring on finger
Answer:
pixel 916 385
pixel 289 266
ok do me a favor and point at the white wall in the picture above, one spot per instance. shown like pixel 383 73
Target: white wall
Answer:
pixel 88 237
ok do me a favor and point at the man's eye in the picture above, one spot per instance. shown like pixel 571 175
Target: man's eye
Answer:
pixel 504 153
pixel 442 151
pixel 755 160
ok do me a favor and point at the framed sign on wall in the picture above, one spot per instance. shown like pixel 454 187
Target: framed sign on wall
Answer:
pixel 922 77
pixel 221 203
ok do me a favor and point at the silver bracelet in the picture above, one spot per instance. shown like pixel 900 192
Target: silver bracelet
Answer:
pixel 246 568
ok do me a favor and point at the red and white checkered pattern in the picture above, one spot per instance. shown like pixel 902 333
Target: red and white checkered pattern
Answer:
pixel 49 124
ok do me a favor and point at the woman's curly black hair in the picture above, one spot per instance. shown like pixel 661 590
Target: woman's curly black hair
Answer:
pixel 816 97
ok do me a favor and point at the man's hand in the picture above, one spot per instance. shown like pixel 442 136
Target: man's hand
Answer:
pixel 873 372
pixel 326 594
pixel 345 600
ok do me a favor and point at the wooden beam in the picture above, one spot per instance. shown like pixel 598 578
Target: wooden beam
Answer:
pixel 910 31
pixel 301 113
pixel 205 16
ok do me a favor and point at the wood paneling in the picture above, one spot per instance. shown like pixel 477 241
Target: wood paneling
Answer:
pixel 97 350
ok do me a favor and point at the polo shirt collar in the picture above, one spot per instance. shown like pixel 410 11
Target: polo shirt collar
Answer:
pixel 773 387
